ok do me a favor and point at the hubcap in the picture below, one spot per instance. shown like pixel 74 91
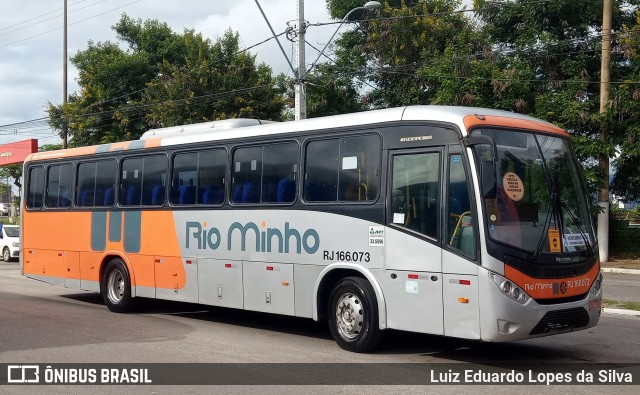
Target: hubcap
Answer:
pixel 115 286
pixel 6 255
pixel 349 316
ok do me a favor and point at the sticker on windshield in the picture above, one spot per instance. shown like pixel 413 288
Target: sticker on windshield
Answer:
pixel 554 240
pixel 513 186
pixel 574 240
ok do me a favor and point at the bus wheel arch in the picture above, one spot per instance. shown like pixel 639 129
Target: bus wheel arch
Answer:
pixel 116 284
pixel 330 276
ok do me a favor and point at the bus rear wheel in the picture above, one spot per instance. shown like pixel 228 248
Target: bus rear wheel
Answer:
pixel 353 315
pixel 115 286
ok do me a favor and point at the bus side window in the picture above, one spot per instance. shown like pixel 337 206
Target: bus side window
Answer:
pixel 247 175
pixel 321 171
pixel 415 196
pixel 35 187
pixel 460 234
pixel 359 168
pixel 280 167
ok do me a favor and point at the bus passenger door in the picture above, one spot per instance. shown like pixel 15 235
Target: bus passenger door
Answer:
pixel 459 263
pixel 412 282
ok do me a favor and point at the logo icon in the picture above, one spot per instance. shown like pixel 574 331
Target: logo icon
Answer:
pixel 23 374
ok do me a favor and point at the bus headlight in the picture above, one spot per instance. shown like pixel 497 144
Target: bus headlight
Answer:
pixel 508 288
pixel 16 244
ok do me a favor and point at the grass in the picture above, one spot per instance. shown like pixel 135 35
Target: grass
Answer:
pixel 614 304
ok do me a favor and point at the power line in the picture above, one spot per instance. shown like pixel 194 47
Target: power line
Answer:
pixel 48 19
pixel 74 23
pixel 45 120
pixel 39 16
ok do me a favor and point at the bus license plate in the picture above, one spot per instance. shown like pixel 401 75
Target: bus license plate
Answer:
pixel 595 304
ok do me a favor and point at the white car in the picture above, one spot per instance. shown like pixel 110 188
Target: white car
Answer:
pixel 10 242
pixel 4 209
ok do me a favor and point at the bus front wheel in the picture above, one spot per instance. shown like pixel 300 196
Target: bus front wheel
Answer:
pixel 116 286
pixel 353 315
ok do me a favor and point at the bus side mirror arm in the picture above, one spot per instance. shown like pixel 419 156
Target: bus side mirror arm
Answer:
pixel 487 174
pixel 488 179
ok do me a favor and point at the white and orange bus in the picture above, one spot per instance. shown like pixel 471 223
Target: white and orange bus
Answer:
pixel 455 221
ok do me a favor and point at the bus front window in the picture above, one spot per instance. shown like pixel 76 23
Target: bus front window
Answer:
pixel 540 205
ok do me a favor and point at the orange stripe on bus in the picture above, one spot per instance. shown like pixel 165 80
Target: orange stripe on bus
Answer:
pixel 471 121
pixel 65 251
pixel 549 288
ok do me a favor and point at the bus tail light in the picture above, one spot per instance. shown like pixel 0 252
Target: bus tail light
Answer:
pixel 508 288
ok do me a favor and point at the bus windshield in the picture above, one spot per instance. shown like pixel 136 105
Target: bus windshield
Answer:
pixel 540 204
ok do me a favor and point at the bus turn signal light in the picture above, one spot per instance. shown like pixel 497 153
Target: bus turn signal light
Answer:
pixel 463 300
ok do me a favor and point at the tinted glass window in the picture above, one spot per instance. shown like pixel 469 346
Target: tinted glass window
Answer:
pixel 59 182
pixel 247 175
pixel 345 169
pixel 359 164
pixel 280 165
pixel 35 186
pixel 143 181
pixel 415 194
pixel 95 183
pixel 198 177
pixel 321 171
pixel 459 221
pixel 212 169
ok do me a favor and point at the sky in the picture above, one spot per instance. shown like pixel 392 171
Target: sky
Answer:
pixel 31 43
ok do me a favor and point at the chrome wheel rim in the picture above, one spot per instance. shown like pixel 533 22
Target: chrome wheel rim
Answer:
pixel 115 286
pixel 5 255
pixel 349 316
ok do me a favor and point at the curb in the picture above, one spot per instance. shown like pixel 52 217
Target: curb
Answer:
pixel 622 312
pixel 620 271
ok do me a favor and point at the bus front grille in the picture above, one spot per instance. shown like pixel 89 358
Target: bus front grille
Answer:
pixel 561 319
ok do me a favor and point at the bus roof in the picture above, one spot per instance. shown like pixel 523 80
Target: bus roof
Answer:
pixel 463 117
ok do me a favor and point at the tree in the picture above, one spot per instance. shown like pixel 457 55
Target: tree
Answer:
pixel 532 57
pixel 626 182
pixel 163 79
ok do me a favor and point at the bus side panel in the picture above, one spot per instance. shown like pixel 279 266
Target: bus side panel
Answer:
pixel 90 271
pixel 268 287
pixel 143 277
pixel 169 277
pixel 413 299
pixel 304 278
pixel 220 283
pixel 71 260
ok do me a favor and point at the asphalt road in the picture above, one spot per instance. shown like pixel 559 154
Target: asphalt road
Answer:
pixel 42 323
pixel 621 287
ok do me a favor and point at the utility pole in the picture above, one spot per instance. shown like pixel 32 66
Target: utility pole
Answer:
pixel 299 88
pixel 603 193
pixel 64 79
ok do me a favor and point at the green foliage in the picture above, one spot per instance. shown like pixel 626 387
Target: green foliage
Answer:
pixel 537 58
pixel 163 79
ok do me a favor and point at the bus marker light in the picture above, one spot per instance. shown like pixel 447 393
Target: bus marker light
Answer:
pixel 463 300
pixel 285 283
pixel 270 268
pixel 413 276
pixel 464 282
pixel 227 265
pixel 188 261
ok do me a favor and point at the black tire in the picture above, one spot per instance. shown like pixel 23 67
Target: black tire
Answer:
pixel 353 315
pixel 115 287
pixel 6 254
